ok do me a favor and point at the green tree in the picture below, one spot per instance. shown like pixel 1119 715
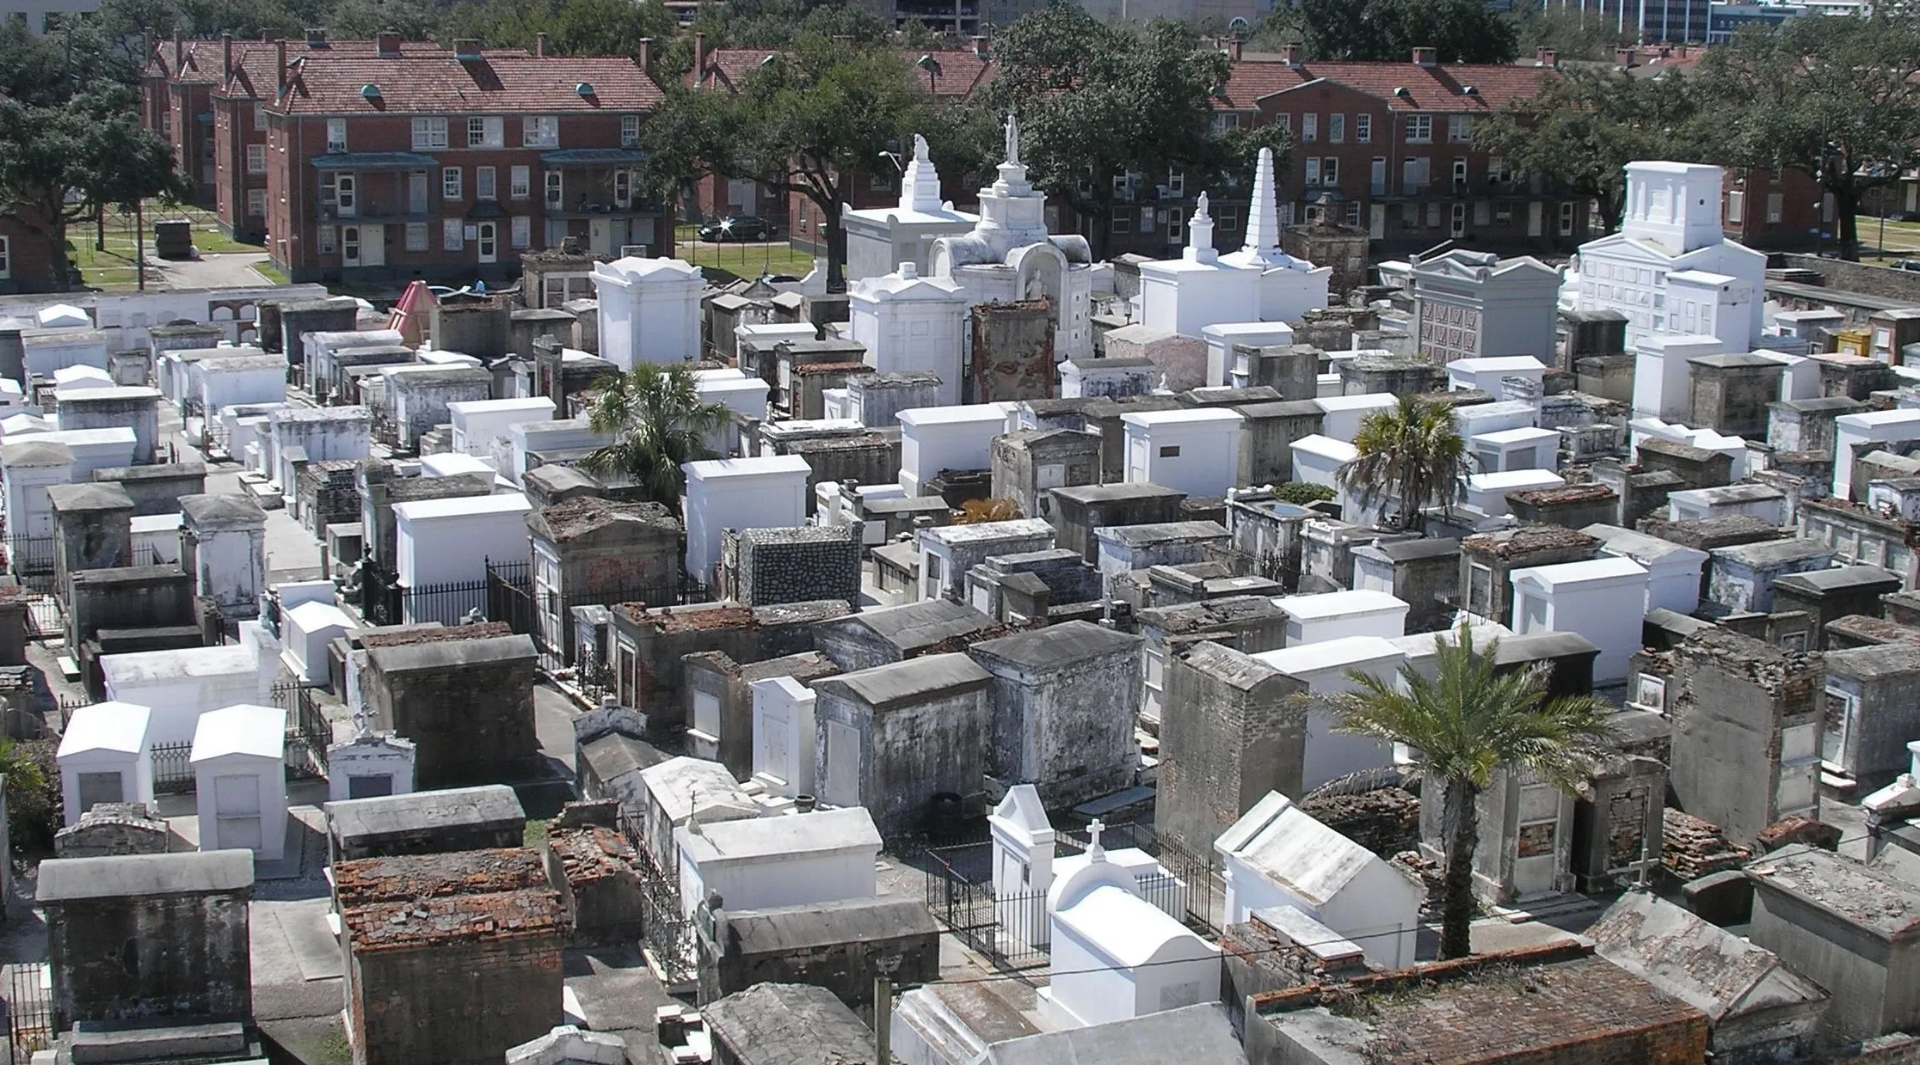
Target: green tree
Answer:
pixel 1572 33
pixel 62 165
pixel 657 420
pixel 573 27
pixel 814 121
pixel 1468 722
pixel 1461 31
pixel 1586 125
pixel 1096 101
pixel 33 795
pixel 1837 99
pixel 1411 455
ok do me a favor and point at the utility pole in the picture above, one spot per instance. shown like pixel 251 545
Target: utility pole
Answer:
pixel 139 245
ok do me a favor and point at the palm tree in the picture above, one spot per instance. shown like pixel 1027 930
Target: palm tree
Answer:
pixel 1412 454
pixel 1467 722
pixel 657 421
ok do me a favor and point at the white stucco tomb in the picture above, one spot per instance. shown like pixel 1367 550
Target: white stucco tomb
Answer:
pixel 1673 570
pixel 1602 599
pixel 306 631
pixel 881 238
pixel 912 324
pixel 240 771
pixel 1333 615
pixel 1323 668
pixel 769 492
pixel 105 756
pixel 1196 451
pixel 177 686
pixel 933 439
pixel 649 311
pixel 477 422
pixel 797 860
pixel 783 736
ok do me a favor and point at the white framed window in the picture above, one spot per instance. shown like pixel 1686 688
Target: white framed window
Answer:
pixel 256 158
pixel 519 183
pixel 1309 128
pixel 629 130
pixel 522 231
pixel 1433 216
pixel 1177 182
pixel 1353 214
pixel 451 236
pixel 1226 122
pixel 1459 228
pixel 622 188
pixel 1498 171
pixel 486 132
pixel 1363 129
pixel 485 185
pixel 1228 219
pixel 6 256
pixel 450 183
pixel 259 119
pixel 336 134
pixel 1176 226
pixel 1313 171
pixel 1775 206
pixel 257 203
pixel 1122 224
pixel 1482 212
pixel 1460 129
pixel 1567 215
pixel 328 239
pixel 1459 174
pixel 417 236
pixel 540 131
pixel 556 189
pixel 429 133
pixel 1330 171
pixel 1284 121
pixel 1736 205
pixel 1336 129
pixel 1419 129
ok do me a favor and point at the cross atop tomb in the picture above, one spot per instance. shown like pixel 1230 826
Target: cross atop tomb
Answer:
pixel 1095 852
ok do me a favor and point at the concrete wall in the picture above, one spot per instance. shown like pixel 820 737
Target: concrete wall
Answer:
pixel 1882 281
pixel 908 754
pixel 1872 973
pixel 1231 730
pixel 129 959
pixel 471 724
pixel 1069 731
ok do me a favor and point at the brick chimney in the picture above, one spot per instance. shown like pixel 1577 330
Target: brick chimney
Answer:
pixel 699 57
pixel 1426 57
pixel 226 60
pixel 280 64
pixel 316 37
pixel 176 53
pixel 979 47
pixel 645 58
pixel 1290 55
pixel 1235 48
pixel 1623 57
pixel 1548 57
pixel 389 42
pixel 540 44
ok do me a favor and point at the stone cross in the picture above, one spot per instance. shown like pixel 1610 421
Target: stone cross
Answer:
pixel 1095 852
pixel 363 723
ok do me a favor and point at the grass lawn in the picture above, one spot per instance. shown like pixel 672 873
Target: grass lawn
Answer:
pixel 272 273
pixel 726 262
pixel 111 264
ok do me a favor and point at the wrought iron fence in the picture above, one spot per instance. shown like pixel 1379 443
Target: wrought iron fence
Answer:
pixel 666 931
pixel 31 1026
pixel 548 615
pixel 308 735
pixel 31 561
pixel 1011 927
pixel 172 768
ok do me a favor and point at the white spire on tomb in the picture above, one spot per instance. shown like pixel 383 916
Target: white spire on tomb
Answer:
pixel 1263 219
pixel 1199 247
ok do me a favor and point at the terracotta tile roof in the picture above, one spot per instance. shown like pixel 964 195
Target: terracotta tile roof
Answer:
pixel 253 73
pixel 435 83
pixel 1438 88
pixel 961 72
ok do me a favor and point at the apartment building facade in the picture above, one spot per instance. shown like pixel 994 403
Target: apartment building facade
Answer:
pixel 26 260
pixel 408 161
pixel 1388 148
pixel 176 91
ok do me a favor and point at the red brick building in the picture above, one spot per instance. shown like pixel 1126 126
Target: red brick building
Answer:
pixel 1388 148
pixel 27 261
pixel 383 161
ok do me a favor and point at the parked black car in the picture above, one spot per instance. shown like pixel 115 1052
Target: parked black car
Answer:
pixel 742 229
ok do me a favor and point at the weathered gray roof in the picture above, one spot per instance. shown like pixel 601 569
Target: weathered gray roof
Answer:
pixel 1199 1034
pixel 574 518
pixel 1292 408
pixel 1868 898
pixel 134 875
pixel 88 495
pixel 422 811
pixel 221 511
pixel 820 925
pixel 1772 552
pixel 1736 360
pixel 1229 666
pixel 1839 579
pixel 1538 646
pixel 1225 611
pixel 923 624
pixel 450 654
pixel 1711 969
pixel 613 755
pixel 1899 658
pixel 1838 404
pixel 451 375
pixel 899 683
pixel 1114 493
pixel 1058 646
pixel 159 471
pixel 789 1024
pixel 1161 532
pixel 31 452
pixel 1417 550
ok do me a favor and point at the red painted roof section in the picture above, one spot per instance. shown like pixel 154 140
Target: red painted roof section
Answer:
pixel 961 72
pixel 435 83
pixel 1436 88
